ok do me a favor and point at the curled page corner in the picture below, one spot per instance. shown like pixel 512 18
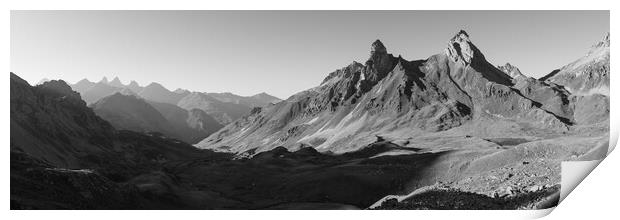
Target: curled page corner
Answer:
pixel 573 172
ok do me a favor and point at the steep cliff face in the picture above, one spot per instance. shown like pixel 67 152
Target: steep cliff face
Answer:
pixel 586 75
pixel 389 95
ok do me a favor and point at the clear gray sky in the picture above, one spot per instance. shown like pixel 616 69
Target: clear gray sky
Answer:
pixel 278 52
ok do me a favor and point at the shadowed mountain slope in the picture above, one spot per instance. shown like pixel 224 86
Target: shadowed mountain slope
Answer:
pixel 127 112
pixel 52 123
pixel 63 156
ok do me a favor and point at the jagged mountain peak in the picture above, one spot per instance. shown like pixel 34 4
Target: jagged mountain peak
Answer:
pixel 378 64
pixel 104 80
pixel 603 43
pixel 443 92
pixel 133 83
pixel 511 70
pixel 115 79
pixel 509 66
pixel 462 35
pixel 377 47
pixel 461 49
pixel 116 82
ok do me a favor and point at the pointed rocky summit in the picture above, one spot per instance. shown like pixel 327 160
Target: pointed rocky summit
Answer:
pixel 104 80
pixel 377 47
pixel 378 64
pixel 461 49
pixel 511 70
pixel 116 82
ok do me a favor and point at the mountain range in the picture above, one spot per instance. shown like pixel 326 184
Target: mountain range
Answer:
pixel 191 116
pixel 393 97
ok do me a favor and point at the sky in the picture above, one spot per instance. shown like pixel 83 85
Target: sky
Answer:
pixel 278 52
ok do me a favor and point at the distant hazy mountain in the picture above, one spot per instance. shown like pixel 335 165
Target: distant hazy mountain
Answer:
pixel 224 107
pixel 116 82
pixel 96 91
pixel 92 92
pixel 258 100
pixel 586 75
pixel 82 85
pixel 127 112
pixel 223 112
pixel 135 87
pixel 192 126
pixel 264 99
pixel 181 91
pixel 457 90
pixel 158 93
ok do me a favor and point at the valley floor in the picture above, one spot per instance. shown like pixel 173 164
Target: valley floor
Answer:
pixel 482 174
